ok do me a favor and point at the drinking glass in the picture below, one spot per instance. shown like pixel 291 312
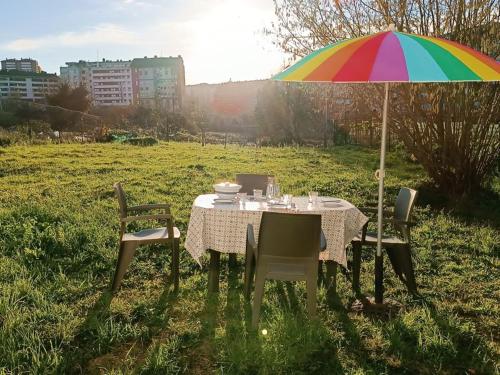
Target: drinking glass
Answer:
pixel 243 197
pixel 277 191
pixel 313 197
pixel 287 199
pixel 257 194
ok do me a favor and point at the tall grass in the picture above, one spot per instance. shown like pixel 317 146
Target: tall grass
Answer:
pixel 58 248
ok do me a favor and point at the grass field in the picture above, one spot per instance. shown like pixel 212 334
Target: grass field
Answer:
pixel 58 248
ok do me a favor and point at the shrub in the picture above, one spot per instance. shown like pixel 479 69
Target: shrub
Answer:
pixel 144 141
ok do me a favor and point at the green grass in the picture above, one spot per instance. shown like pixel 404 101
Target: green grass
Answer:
pixel 58 248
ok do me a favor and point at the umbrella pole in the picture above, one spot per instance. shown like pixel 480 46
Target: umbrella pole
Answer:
pixel 379 260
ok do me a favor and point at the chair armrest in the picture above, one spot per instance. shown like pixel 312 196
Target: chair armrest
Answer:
pixel 251 240
pixel 129 219
pixel 401 222
pixel 146 207
pixel 322 241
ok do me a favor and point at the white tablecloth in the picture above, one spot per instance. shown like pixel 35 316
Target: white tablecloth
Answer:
pixel 222 227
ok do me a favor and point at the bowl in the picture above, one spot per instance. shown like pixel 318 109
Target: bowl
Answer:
pixel 227 188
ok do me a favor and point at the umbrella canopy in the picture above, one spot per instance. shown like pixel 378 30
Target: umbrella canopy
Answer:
pixel 393 56
pixel 385 57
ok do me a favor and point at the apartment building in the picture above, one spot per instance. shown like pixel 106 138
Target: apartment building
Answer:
pixel 159 82
pixel 156 82
pixel 109 83
pixel 21 65
pixel 27 85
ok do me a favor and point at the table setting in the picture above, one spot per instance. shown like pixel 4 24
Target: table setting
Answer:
pixel 219 220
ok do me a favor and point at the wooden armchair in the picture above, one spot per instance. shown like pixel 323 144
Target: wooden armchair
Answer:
pixel 397 247
pixel 130 241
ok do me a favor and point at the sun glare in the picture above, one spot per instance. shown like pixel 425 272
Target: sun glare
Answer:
pixel 228 43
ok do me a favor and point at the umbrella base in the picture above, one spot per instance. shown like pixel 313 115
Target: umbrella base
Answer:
pixel 368 304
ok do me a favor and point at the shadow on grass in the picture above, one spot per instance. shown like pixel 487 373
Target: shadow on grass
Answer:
pixel 163 307
pixel 87 343
pixel 428 341
pixel 76 352
pixel 287 341
pixel 482 207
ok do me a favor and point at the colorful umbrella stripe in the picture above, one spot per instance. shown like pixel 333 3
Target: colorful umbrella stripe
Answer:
pixel 393 57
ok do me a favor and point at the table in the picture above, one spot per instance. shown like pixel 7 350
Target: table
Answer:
pixel 221 228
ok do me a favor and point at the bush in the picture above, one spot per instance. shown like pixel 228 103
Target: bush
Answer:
pixel 144 141
pixel 5 141
pixel 8 119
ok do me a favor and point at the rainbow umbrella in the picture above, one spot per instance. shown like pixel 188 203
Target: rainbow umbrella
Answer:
pixel 385 57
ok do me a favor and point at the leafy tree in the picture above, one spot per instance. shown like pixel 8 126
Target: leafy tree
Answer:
pixel 170 123
pixel 69 105
pixel 142 117
pixel 458 135
pixel 8 119
pixel 114 116
pixel 34 127
pixel 284 113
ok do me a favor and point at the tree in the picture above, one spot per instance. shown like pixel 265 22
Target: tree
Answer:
pixel 285 114
pixel 170 123
pixel 72 103
pixel 305 25
pixel 142 117
pixel 453 131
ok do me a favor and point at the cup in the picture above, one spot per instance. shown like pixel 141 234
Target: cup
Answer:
pixel 313 197
pixel 257 194
pixel 242 197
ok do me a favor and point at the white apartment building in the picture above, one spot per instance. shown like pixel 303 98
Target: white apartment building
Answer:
pixel 21 65
pixel 108 82
pixel 156 82
pixel 27 86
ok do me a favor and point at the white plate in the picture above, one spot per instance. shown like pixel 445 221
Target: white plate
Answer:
pixel 330 200
pixel 332 205
pixel 224 201
pixel 278 207
pixel 226 196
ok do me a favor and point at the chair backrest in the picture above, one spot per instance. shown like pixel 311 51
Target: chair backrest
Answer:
pixel 403 208
pixel 122 199
pixel 249 182
pixel 290 236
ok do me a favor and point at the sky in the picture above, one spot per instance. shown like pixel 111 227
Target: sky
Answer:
pixel 219 40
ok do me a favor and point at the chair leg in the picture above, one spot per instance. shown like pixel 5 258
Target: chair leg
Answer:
pixel 331 277
pixel 407 265
pixel 356 266
pixel 127 251
pixel 232 261
pixel 320 273
pixel 249 273
pixel 175 264
pixel 311 288
pixel 257 299
pixel 395 258
pixel 403 267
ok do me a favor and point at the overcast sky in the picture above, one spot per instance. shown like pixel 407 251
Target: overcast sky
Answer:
pixel 218 39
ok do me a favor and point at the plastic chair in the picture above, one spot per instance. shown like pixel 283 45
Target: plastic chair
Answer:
pixel 249 182
pixel 288 250
pixel 398 248
pixel 130 241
